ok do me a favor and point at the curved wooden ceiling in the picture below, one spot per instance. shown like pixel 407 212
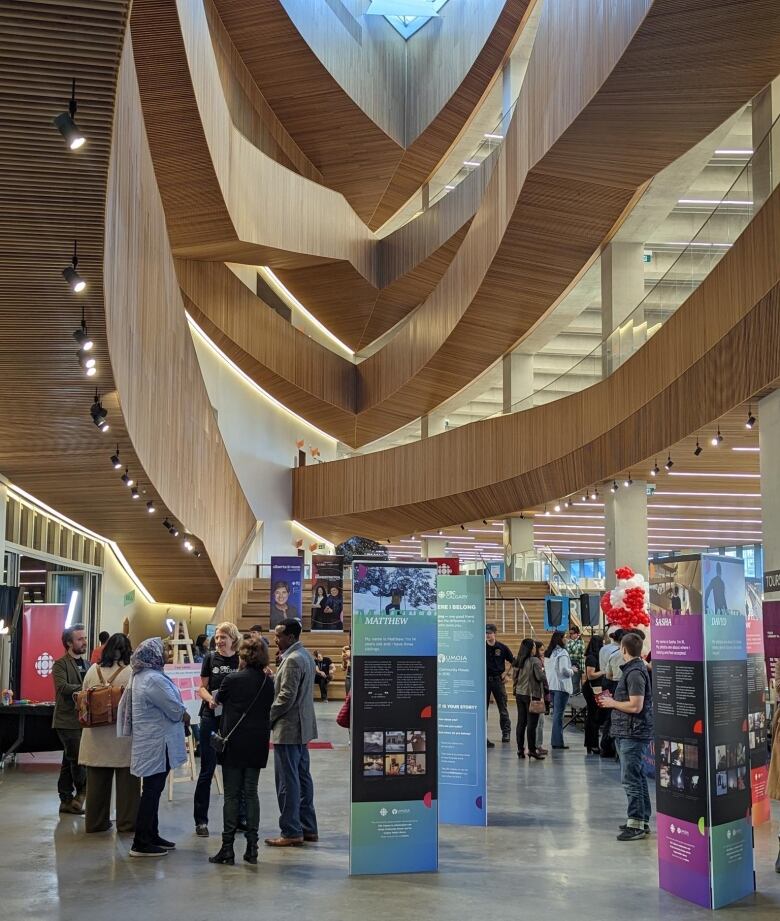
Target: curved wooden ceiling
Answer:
pixel 372 170
pixel 717 351
pixel 48 444
pixel 608 101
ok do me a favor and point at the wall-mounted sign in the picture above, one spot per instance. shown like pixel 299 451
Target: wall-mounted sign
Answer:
pixel 129 597
pixel 772 581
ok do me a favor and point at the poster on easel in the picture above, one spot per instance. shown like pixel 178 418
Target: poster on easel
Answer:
pixel 286 589
pixel 394 741
pixel 462 705
pixel 700 703
pixel 327 592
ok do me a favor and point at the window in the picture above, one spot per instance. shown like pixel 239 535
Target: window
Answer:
pixel 406 16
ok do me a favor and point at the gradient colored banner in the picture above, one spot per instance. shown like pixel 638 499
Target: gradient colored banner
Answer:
pixel 394 741
pixel 462 681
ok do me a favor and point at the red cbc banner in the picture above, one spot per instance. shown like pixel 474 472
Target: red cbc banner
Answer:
pixel 446 565
pixel 41 645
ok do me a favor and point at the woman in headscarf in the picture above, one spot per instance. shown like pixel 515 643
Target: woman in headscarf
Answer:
pixel 152 712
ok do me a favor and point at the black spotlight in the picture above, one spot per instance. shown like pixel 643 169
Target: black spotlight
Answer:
pixel 99 415
pixel 88 363
pixel 66 125
pixel 614 486
pixel 166 524
pixel 463 527
pixel 716 439
pixel 134 493
pixel 585 496
pixel 69 273
pixel 698 449
pixel 628 482
pixel 150 507
pixel 116 463
pixel 484 521
pixel 127 479
pixel 197 554
pixel 669 462
pixel 655 470
pixel 81 337
pixel 594 495
pixel 751 420
pixel 566 503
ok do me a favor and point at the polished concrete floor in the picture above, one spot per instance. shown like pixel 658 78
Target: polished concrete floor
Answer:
pixel 550 852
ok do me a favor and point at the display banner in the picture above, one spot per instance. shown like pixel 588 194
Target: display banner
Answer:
pixel 286 588
pixel 327 593
pixel 446 565
pixel 394 747
pixel 758 700
pixel 700 702
pixel 462 705
pixel 771 613
pixel 42 626
pixel 495 571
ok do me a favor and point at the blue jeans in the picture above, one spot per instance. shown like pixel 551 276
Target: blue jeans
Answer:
pixel 632 776
pixel 208 762
pixel 559 700
pixel 295 791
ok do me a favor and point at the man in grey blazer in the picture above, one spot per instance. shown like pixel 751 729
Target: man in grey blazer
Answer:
pixel 293 725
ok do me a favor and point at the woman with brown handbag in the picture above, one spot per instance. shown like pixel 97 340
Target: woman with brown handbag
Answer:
pixel 529 695
pixel 105 755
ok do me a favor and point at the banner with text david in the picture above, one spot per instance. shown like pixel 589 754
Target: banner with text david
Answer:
pixel 394 744
pixel 462 680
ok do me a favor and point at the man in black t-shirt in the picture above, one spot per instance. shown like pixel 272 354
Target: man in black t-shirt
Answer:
pixel 499 661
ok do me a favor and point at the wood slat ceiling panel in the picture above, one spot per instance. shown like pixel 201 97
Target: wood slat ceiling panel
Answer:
pixel 48 444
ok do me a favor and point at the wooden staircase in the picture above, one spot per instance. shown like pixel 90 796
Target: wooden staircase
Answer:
pixel 517 614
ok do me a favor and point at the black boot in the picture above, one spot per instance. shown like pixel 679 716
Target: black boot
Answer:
pixel 777 862
pixel 250 854
pixel 225 854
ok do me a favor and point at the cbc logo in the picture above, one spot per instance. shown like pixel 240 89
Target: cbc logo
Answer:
pixel 44 664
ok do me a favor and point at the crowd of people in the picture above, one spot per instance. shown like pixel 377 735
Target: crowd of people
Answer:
pixel 615 681
pixel 243 706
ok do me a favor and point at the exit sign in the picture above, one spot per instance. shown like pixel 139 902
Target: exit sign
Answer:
pixel 129 597
pixel 647 255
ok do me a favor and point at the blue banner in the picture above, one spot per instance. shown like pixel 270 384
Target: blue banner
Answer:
pixel 462 681
pixel 286 589
pixel 394 758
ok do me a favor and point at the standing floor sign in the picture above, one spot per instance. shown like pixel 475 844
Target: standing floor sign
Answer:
pixel 286 589
pixel 42 626
pixel 394 757
pixel 759 724
pixel 700 702
pixel 462 704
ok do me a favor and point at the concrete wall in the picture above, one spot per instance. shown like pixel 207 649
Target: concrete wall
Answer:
pixel 145 619
pixel 261 441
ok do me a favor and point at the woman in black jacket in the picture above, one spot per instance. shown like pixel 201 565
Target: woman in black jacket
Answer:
pixel 246 697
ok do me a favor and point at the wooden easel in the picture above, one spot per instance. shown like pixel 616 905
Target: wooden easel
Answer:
pixel 182 644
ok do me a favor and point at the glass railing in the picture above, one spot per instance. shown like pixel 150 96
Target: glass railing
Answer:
pixel 691 262
pixel 684 264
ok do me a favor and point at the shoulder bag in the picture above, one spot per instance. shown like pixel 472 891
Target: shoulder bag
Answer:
pixel 535 704
pixel 218 741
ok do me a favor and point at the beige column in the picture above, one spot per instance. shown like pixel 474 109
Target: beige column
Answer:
pixel 625 529
pixel 622 290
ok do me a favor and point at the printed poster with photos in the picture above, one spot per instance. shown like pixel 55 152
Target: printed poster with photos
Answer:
pixel 700 701
pixel 394 741
pixel 327 592
pixel 759 724
pixel 286 589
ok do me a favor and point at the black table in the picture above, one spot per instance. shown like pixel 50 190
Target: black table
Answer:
pixel 27 728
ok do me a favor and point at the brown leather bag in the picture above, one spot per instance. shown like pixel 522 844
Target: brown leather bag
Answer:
pixel 98 705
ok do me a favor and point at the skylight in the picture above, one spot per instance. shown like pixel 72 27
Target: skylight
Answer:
pixel 406 16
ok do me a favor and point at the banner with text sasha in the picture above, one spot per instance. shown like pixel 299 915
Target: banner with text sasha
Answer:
pixel 700 703
pixel 462 681
pixel 394 746
pixel 286 588
pixel 327 593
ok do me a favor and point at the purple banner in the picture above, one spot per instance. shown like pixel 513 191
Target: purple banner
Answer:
pixel 772 638
pixel 286 588
pixel 677 638
pixel 684 859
